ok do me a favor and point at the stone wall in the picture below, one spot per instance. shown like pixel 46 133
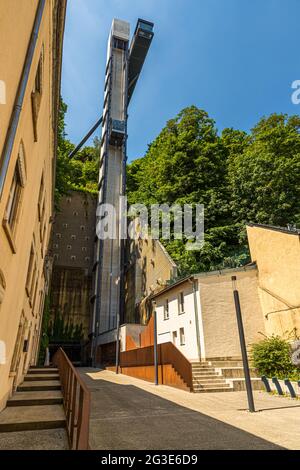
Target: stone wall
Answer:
pixel 73 254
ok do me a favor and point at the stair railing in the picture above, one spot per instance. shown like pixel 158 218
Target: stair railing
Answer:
pixel 76 401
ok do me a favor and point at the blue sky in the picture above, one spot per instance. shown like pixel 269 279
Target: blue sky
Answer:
pixel 234 58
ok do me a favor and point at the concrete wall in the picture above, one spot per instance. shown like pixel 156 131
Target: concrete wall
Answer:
pixel 73 253
pixel 220 333
pixel 150 267
pixel 277 254
pixel 20 312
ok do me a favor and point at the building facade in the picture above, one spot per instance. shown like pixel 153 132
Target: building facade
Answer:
pixel 30 67
pixel 197 314
pixel 276 252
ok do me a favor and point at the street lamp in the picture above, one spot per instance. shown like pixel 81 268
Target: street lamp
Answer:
pixel 243 345
pixel 155 344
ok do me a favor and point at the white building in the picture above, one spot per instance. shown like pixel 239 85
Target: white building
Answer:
pixel 198 313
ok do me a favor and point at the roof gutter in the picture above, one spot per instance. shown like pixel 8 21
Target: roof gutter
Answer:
pixel 16 112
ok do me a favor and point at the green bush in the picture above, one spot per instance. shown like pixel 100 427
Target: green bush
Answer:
pixel 272 357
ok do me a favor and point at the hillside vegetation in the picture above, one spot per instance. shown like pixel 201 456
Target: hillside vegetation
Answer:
pixel 239 178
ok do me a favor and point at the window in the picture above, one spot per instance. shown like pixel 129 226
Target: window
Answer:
pixel 166 310
pixel 30 270
pixel 73 237
pixel 174 335
pixel 58 235
pixel 84 248
pixel 36 94
pixel 2 286
pixel 75 213
pixel 69 247
pixel 119 44
pixel 182 336
pixel 73 258
pixel 65 225
pixel 180 303
pixel 38 83
pixel 14 199
pixel 41 194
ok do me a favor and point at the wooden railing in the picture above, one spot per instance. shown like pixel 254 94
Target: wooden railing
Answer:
pixel 167 354
pixel 76 400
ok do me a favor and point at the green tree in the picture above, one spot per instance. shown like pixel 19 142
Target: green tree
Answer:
pixel 265 176
pixel 79 173
pixel 187 163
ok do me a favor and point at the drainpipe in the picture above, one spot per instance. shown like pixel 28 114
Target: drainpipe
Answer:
pixel 193 282
pixel 16 112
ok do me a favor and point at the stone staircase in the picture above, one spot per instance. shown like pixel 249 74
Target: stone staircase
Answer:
pixel 221 376
pixel 206 379
pixel 34 417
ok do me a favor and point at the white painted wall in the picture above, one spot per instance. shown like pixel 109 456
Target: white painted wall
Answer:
pixel 186 320
pixel 217 328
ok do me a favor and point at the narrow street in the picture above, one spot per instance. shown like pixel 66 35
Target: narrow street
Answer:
pixel 128 413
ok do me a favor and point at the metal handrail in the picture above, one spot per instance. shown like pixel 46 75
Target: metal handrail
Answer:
pixel 76 401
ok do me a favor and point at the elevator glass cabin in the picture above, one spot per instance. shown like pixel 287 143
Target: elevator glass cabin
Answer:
pixel 139 47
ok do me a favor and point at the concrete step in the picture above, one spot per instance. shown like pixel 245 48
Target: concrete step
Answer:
pixel 213 389
pixel 227 363
pixel 205 374
pixel 36 398
pixel 207 377
pixel 202 369
pixel 43 439
pixel 210 382
pixel 200 364
pixel 234 372
pixel 41 370
pixel 27 418
pixel 239 384
pixel 212 385
pixel 40 377
pixel 39 386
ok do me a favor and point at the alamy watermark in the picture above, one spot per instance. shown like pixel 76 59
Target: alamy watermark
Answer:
pixel 295 97
pixel 160 221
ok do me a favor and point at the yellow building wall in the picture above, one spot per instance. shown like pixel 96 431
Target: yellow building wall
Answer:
pixel 277 254
pixel 17 19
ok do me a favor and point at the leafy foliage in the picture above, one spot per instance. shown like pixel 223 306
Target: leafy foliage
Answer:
pixel 60 330
pixel 79 173
pixel 272 357
pixel 44 343
pixel 239 178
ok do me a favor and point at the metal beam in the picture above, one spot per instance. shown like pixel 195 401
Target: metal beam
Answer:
pixel 83 141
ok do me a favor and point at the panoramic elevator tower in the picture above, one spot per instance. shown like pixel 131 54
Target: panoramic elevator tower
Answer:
pixel 123 66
